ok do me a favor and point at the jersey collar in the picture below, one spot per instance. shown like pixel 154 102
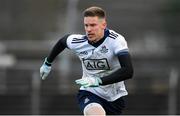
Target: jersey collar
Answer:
pixel 106 34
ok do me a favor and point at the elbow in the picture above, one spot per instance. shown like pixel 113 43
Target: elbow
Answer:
pixel 131 73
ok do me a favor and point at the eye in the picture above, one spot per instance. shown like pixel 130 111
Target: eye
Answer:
pixel 86 25
pixel 92 25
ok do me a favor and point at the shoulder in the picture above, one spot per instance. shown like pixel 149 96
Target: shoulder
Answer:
pixel 75 36
pixel 74 39
pixel 116 37
pixel 118 41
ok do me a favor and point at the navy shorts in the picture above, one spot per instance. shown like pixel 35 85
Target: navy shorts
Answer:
pixel 111 108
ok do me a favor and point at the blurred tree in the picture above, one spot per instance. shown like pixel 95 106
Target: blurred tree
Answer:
pixel 29 19
pixel 171 14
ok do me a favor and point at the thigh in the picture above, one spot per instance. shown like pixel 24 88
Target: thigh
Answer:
pixel 115 107
pixel 84 98
pixel 111 108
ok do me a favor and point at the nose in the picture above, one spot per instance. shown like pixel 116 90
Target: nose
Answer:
pixel 88 29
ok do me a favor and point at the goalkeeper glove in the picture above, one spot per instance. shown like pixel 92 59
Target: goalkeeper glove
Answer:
pixel 89 82
pixel 45 69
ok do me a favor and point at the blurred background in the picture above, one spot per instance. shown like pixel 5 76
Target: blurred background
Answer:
pixel 30 28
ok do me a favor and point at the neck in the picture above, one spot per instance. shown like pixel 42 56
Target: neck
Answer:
pixel 99 38
pixel 99 41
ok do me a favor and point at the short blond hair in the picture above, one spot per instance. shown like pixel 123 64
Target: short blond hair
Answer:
pixel 94 11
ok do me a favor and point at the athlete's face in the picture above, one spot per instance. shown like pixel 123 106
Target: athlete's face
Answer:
pixel 94 27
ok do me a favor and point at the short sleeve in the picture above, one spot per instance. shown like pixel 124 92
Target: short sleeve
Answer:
pixel 68 41
pixel 74 38
pixel 120 45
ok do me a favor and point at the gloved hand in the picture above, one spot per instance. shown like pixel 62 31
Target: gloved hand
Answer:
pixel 89 82
pixel 45 69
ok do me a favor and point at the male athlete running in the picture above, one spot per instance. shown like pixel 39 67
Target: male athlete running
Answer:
pixel 106 63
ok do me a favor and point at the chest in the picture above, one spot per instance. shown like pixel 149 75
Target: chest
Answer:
pixel 96 58
pixel 90 52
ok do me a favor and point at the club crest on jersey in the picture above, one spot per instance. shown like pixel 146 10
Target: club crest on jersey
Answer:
pixel 104 49
pixel 96 64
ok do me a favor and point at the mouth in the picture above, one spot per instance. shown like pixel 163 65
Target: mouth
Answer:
pixel 90 35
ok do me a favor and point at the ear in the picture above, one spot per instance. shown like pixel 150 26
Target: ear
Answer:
pixel 104 24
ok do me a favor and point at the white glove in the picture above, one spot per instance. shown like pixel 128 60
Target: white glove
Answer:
pixel 45 70
pixel 89 82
